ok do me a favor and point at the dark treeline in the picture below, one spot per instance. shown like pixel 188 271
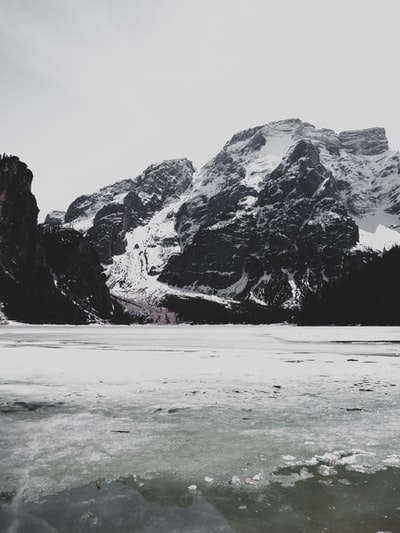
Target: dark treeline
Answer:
pixel 204 311
pixel 368 295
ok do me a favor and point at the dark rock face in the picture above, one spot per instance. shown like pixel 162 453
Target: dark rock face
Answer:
pixel 304 229
pixel 76 271
pixel 213 260
pixel 46 275
pixel 296 234
pixel 134 212
pixel 163 181
pixel 87 205
pixel 105 234
pixel 371 141
pixel 18 216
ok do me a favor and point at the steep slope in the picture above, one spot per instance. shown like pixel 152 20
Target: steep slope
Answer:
pixel 76 271
pixel 279 211
pixel 107 215
pixel 131 224
pixel 46 275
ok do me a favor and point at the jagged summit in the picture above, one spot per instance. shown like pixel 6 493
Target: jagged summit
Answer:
pixel 370 141
pixel 108 214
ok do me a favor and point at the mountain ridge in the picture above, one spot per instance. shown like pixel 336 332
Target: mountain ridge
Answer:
pixel 281 209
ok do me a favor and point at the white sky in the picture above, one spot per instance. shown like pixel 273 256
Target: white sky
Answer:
pixel 93 91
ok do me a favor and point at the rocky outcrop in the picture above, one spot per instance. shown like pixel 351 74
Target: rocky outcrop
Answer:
pixel 371 141
pixel 163 181
pixel 106 232
pixel 304 229
pixel 55 218
pixel 76 271
pixel 18 217
pixel 87 205
pixel 270 245
pixel 108 214
pixel 46 274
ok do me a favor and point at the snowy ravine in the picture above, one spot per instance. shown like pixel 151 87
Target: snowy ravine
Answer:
pixel 251 418
pixel 132 276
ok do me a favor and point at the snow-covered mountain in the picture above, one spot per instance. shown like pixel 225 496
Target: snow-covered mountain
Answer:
pixel 281 209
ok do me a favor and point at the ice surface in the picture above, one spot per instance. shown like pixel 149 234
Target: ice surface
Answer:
pixel 270 404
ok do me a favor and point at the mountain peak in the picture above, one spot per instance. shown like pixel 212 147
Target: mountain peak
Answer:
pixel 169 177
pixel 289 125
pixel 276 213
pixel 370 141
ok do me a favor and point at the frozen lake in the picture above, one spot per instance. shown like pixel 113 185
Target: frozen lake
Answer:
pixel 274 428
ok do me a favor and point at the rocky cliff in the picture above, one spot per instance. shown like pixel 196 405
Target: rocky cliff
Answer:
pixel 107 215
pixel 371 141
pixel 18 217
pixel 280 209
pixel 268 241
pixel 46 275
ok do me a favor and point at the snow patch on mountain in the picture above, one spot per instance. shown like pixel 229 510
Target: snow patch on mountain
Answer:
pixel 263 162
pixel 83 210
pixel 148 249
pixel 295 299
pixel 236 288
pixel 3 318
pixel 81 224
pixel 382 238
pixel 367 184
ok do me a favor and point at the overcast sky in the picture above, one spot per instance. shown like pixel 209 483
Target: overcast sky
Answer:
pixel 93 91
